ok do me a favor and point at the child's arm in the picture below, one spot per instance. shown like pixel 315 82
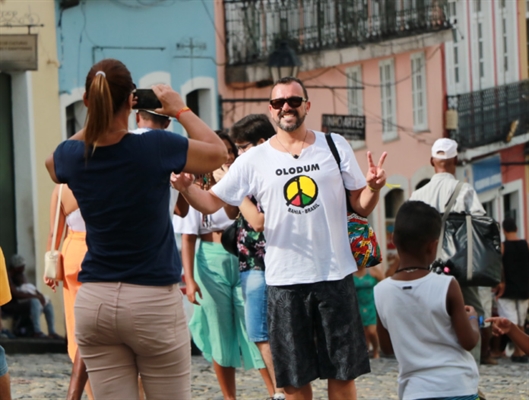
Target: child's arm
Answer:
pixel 502 326
pixel 464 318
pixel 384 338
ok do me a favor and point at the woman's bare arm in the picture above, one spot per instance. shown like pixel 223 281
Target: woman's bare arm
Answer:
pixel 252 215
pixel 376 272
pixel 62 220
pixel 231 211
pixel 188 260
pixel 182 206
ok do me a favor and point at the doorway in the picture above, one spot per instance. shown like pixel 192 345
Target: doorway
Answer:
pixel 199 101
pixel 8 237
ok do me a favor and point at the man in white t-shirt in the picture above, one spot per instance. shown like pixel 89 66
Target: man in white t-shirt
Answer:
pixel 436 193
pixel 313 320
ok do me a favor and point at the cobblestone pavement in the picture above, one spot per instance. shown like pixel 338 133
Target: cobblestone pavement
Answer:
pixel 47 376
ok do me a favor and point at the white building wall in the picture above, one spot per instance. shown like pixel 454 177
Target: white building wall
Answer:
pixel 26 195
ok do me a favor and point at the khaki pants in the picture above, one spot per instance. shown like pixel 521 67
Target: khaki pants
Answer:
pixel 124 330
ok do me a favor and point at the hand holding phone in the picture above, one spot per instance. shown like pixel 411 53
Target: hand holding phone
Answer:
pixel 171 100
pixel 146 99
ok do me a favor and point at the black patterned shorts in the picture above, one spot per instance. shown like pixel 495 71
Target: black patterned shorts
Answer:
pixel 315 332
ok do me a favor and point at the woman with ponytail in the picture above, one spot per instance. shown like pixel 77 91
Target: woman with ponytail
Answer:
pixel 129 314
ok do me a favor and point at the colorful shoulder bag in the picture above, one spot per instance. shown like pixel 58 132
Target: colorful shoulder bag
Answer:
pixel 362 238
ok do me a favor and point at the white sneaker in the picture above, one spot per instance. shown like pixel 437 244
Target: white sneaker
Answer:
pixel 509 349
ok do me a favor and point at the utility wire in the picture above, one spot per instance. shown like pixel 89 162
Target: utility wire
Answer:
pixel 374 117
pixel 212 21
pixel 143 4
pixel 393 83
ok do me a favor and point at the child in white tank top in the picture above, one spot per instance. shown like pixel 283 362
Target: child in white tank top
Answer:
pixel 421 316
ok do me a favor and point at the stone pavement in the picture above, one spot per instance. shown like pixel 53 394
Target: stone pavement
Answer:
pixel 46 376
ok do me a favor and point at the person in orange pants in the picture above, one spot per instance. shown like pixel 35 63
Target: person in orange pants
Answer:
pixel 73 252
pixel 5 296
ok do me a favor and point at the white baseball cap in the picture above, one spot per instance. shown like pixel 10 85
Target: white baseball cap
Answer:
pixel 444 149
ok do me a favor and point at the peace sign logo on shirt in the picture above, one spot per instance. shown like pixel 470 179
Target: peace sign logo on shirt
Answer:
pixel 300 191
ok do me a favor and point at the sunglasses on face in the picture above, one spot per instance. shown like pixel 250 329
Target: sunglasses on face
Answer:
pixel 293 102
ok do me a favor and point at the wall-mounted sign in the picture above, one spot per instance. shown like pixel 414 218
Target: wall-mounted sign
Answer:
pixel 352 127
pixel 487 174
pixel 18 53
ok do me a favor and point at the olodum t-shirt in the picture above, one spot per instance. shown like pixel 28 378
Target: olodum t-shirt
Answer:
pixel 123 192
pixel 305 224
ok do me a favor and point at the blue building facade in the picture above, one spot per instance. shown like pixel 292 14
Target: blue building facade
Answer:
pixel 160 41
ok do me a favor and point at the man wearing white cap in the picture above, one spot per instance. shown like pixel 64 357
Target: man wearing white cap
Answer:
pixel 437 193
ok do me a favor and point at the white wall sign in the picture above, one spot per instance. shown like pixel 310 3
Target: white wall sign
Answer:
pixel 18 53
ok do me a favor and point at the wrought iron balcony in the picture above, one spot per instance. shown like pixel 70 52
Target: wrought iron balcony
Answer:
pixel 253 27
pixel 491 115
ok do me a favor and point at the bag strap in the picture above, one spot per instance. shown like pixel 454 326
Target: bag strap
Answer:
pixel 56 224
pixel 333 148
pixel 336 155
pixel 448 209
pixel 453 198
pixel 470 247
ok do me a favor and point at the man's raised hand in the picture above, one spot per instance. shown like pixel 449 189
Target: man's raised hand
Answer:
pixel 376 175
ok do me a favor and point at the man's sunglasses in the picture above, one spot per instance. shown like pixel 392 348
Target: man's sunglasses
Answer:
pixel 294 102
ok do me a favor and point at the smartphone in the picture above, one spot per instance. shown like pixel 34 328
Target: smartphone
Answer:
pixel 146 100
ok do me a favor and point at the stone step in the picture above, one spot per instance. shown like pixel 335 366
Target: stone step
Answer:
pixel 33 346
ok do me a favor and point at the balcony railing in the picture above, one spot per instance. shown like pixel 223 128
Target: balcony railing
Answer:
pixel 253 27
pixel 491 115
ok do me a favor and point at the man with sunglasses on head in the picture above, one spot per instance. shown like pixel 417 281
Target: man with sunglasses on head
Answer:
pixel 314 324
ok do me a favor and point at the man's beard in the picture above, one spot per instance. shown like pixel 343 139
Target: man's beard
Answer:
pixel 290 128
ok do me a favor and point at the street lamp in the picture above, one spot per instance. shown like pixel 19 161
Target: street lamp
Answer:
pixel 283 62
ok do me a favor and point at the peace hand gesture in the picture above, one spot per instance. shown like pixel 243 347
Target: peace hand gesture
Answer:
pixel 376 175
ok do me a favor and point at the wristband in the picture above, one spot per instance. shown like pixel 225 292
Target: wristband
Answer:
pixel 177 116
pixel 373 189
pixel 472 317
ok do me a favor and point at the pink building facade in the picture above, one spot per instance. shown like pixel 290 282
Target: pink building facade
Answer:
pixel 393 78
pixel 487 91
